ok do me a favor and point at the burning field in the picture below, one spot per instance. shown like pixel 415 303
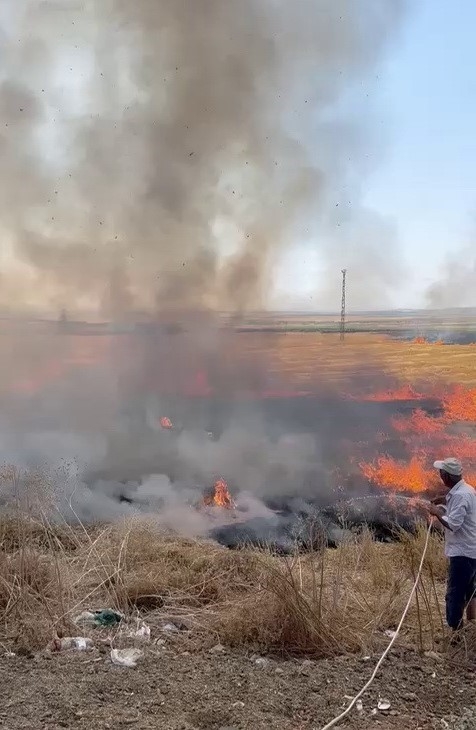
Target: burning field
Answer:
pixel 243 436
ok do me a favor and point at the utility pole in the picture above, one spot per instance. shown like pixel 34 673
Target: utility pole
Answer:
pixel 342 311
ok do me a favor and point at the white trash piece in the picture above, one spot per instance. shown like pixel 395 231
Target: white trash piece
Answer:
pixel 142 632
pixel 383 704
pixel 170 629
pixel 80 643
pixel 126 657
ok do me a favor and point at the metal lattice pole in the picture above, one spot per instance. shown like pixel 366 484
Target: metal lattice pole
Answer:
pixel 342 311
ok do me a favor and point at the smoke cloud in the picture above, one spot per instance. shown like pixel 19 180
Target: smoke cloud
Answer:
pixel 162 154
pixel 457 284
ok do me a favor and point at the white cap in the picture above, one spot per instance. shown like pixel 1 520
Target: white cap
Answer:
pixel 450 466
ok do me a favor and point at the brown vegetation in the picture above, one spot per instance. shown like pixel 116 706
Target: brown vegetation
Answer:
pixel 300 359
pixel 304 357
pixel 319 604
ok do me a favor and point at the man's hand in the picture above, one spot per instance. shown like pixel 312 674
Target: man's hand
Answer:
pixel 436 510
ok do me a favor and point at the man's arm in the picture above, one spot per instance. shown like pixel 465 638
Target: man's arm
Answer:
pixel 454 517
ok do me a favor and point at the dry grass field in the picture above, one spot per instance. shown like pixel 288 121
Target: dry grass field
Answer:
pixel 306 358
pixel 303 360
pixel 318 605
pixel 257 641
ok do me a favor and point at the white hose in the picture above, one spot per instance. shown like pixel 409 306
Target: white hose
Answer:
pixel 343 714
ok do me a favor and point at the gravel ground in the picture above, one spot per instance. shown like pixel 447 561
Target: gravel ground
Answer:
pixel 223 690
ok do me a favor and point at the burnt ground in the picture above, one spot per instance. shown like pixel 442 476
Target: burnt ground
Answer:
pixel 174 690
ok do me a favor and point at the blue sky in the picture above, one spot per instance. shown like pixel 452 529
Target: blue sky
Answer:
pixel 426 181
pixel 423 119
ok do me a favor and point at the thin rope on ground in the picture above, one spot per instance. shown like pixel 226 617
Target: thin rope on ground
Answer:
pixel 343 714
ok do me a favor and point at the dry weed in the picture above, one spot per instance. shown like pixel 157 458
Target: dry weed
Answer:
pixel 317 604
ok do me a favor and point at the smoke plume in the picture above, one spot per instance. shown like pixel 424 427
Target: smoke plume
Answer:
pixel 456 286
pixel 159 156
pixel 162 154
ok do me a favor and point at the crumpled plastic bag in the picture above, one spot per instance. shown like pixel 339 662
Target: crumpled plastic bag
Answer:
pixel 126 657
pixel 141 632
pixel 103 617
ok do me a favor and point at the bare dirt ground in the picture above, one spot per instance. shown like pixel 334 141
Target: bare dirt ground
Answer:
pixel 181 691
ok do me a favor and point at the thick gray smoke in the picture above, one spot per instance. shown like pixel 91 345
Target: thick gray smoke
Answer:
pixel 91 445
pixel 456 287
pixel 161 155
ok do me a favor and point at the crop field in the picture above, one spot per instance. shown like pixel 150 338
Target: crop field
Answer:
pixel 300 352
pixel 305 358
pixel 285 351
pixel 301 358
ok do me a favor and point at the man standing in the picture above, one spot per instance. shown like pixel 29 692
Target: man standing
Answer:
pixel 459 521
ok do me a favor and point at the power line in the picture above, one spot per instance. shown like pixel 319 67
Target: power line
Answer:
pixel 342 311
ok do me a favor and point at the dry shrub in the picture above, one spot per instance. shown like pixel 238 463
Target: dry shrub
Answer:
pixel 32 594
pixel 427 616
pixel 144 567
pixel 286 614
pixel 322 604
pixel 409 549
pixel 315 605
pixel 318 604
pixel 18 530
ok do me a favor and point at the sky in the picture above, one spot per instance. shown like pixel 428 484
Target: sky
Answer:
pixel 424 179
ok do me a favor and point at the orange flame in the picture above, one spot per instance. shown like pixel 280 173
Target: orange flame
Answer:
pixel 166 423
pixel 221 496
pixel 419 422
pixel 424 341
pixel 402 477
pixel 460 404
pixel 428 438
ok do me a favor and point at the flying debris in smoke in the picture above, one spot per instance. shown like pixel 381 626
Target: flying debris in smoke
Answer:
pixel 159 154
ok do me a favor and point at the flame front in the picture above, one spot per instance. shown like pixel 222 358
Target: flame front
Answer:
pixel 221 496
pixel 397 455
pixel 427 438
pixel 409 476
pixel 423 341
